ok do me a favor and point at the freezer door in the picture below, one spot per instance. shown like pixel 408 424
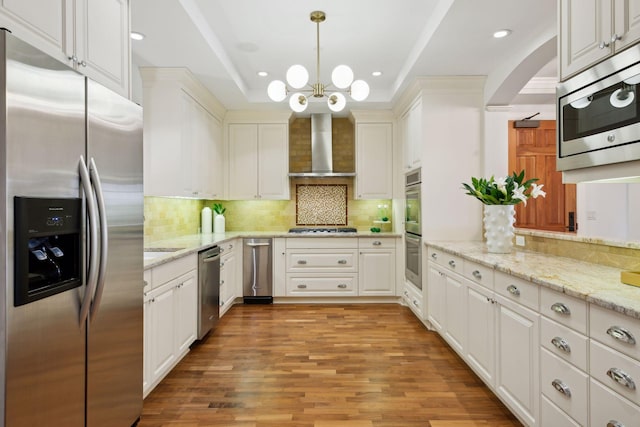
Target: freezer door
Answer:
pixel 44 137
pixel 115 334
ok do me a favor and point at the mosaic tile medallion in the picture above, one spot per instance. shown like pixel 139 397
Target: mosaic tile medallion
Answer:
pixel 318 204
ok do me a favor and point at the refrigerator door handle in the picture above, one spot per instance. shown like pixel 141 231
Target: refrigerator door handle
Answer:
pixel 104 236
pixel 93 239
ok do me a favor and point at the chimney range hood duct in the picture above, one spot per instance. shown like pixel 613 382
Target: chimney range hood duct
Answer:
pixel 321 151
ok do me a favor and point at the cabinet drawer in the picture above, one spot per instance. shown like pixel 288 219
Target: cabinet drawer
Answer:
pixel 608 407
pixel 322 242
pixel 325 285
pixel 564 309
pixel 564 385
pixel 413 299
pixel 564 343
pixel 615 370
pixel 551 415
pixel 165 272
pixel 376 243
pixel 516 289
pixel 615 330
pixel 325 261
pixel 478 273
pixel 445 259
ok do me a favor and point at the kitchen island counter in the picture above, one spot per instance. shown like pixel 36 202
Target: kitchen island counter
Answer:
pixel 597 284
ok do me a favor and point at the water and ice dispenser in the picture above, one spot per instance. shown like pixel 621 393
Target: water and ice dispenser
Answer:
pixel 48 257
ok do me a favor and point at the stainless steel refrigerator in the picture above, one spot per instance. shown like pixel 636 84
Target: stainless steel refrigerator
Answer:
pixel 71 230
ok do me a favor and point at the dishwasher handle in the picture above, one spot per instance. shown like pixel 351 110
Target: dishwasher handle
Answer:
pixel 258 244
pixel 212 258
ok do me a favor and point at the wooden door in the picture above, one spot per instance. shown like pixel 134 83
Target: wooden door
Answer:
pixel 534 150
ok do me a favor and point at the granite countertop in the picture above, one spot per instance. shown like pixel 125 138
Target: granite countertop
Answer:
pixel 178 247
pixel 594 283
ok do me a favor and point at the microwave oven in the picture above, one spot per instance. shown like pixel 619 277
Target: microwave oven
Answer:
pixel 599 114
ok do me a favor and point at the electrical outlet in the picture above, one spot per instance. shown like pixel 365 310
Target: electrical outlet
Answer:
pixel 520 240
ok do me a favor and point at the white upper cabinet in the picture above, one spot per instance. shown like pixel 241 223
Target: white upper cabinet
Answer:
pixel 258 161
pixel 92 36
pixel 411 127
pixel 591 30
pixel 374 161
pixel 183 143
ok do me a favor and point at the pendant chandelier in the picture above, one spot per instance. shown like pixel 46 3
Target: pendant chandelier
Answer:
pixel 298 78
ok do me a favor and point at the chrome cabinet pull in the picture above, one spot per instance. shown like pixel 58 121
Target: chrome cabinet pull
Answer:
pixel 477 274
pixel 416 303
pixel 513 290
pixel 342 286
pixel 452 263
pixel 434 255
pixel 621 334
pixel 615 38
pixel 561 387
pixel 342 261
pixel 221 282
pixel 614 423
pixel 377 243
pixel 603 44
pixel 302 286
pixel 302 262
pixel 621 377
pixel 561 344
pixel 560 308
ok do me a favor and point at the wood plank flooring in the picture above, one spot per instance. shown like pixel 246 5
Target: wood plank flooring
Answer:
pixel 361 365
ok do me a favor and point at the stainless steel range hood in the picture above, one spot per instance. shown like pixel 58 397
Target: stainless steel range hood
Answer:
pixel 321 150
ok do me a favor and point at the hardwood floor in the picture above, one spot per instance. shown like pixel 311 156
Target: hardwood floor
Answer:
pixel 360 365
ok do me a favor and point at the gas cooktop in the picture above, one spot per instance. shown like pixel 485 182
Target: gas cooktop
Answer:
pixel 322 230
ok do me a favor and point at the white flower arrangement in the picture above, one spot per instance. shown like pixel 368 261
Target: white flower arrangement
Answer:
pixel 509 190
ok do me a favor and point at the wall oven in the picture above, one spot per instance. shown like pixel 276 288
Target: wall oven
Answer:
pixel 412 228
pixel 599 113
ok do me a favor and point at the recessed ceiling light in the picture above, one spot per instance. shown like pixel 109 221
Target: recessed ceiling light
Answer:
pixel 263 73
pixel 501 33
pixel 137 36
pixel 376 73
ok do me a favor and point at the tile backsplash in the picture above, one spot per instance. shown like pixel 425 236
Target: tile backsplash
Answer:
pixel 321 204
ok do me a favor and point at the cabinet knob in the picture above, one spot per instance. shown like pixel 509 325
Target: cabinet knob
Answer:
pixel 622 378
pixel 434 255
pixel 302 262
pixel 615 38
pixel 452 264
pixel 614 423
pixel 377 243
pixel 513 290
pixel 477 274
pixel 621 334
pixel 342 286
pixel 73 58
pixel 83 63
pixel 561 387
pixel 302 286
pixel 560 308
pixel 561 344
pixel 221 282
pixel 342 261
pixel 603 44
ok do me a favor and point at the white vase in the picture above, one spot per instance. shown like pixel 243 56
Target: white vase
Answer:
pixel 205 220
pixel 498 228
pixel 218 224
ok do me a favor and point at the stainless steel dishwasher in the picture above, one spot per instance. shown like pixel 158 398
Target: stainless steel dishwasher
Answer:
pixel 208 290
pixel 257 272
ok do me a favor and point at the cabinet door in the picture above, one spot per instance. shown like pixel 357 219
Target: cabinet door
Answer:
pixel 376 272
pixel 186 312
pixel 162 329
pixel 147 328
pixel 585 34
pixel 40 23
pixel 243 161
pixel 187 168
pixel 626 23
pixel 215 165
pixel 374 161
pixel 412 130
pixel 517 365
pixel 101 37
pixel 228 280
pixel 273 161
pixel 436 296
pixel 480 348
pixel 455 313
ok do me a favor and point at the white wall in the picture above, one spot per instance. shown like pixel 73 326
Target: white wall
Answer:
pixel 452 133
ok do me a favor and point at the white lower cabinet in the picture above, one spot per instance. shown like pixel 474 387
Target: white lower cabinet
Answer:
pixel 517 336
pixel 481 343
pixel 436 287
pixel 229 274
pixel 564 385
pixel 413 299
pixel 170 318
pixel 377 266
pixel 455 328
pixel 609 409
